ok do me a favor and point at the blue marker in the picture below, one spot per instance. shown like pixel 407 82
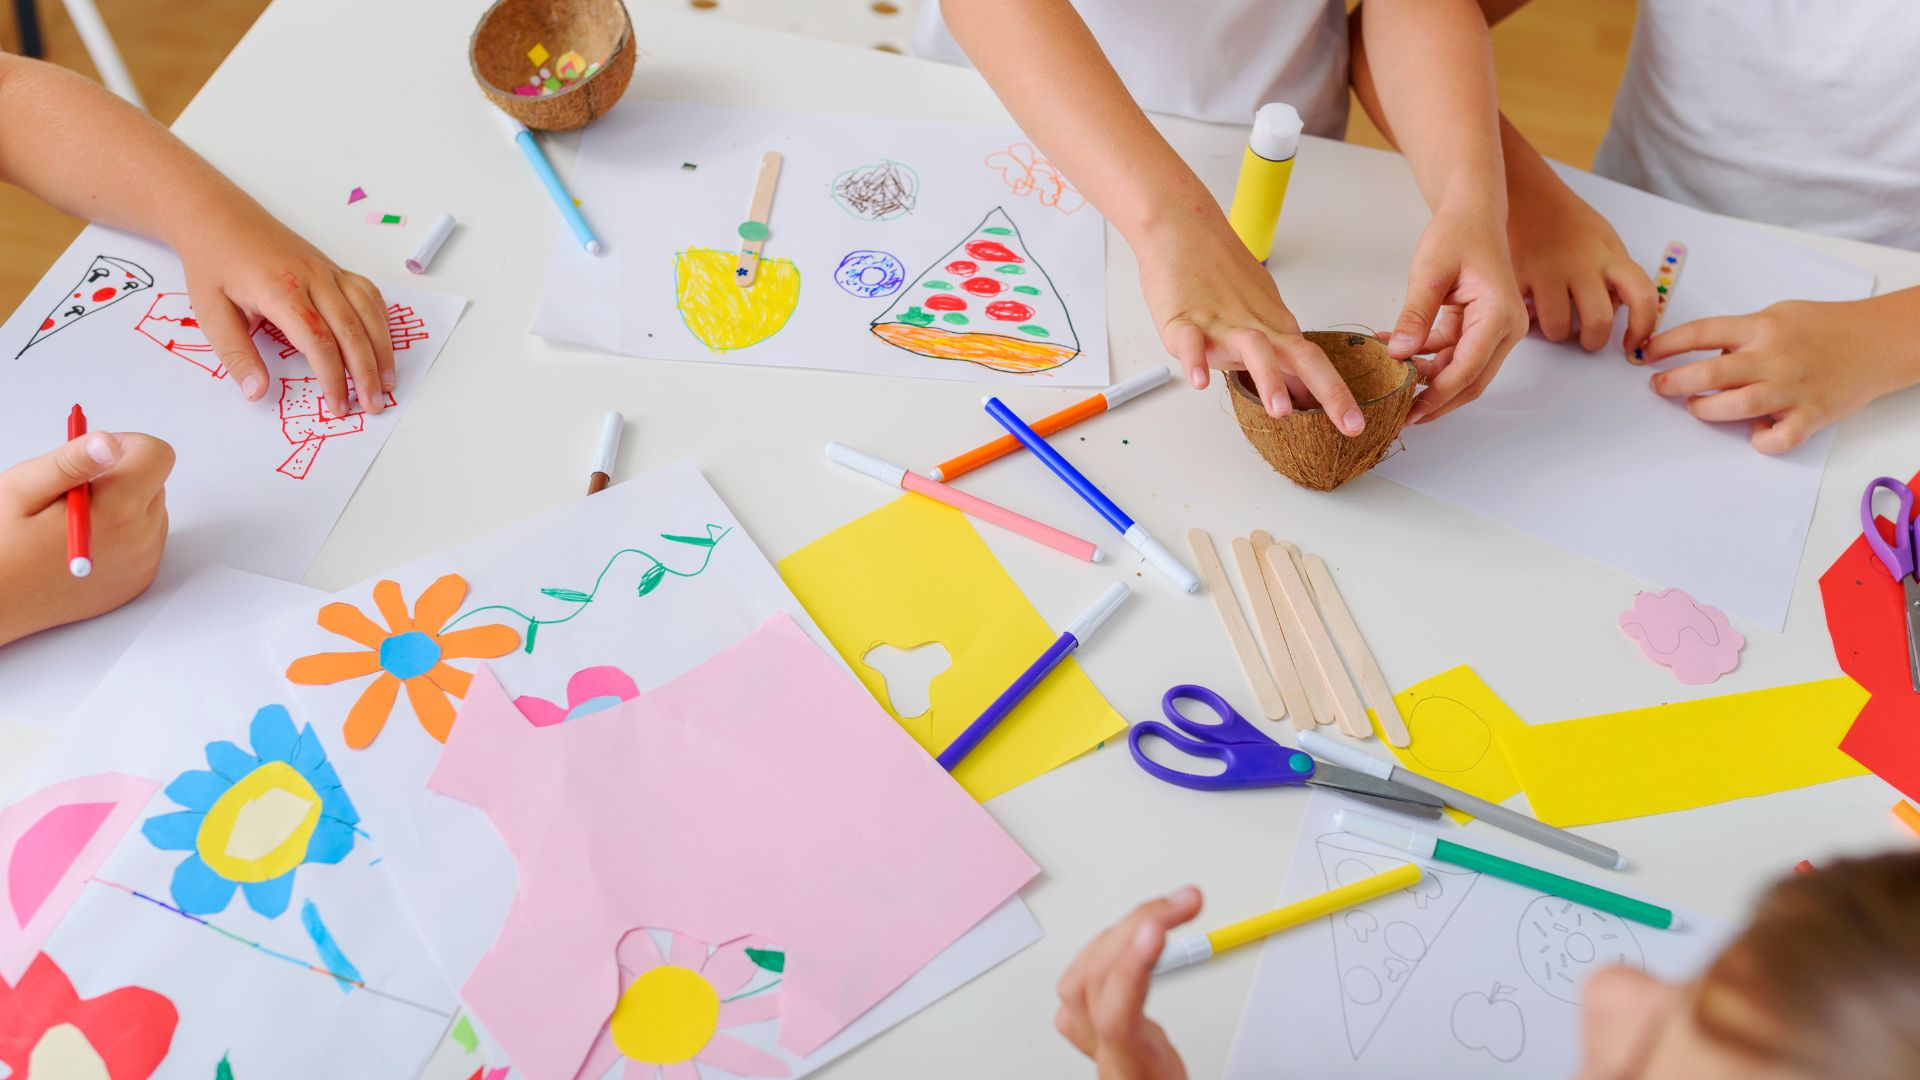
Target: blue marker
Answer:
pixel 1074 637
pixel 544 170
pixel 1154 551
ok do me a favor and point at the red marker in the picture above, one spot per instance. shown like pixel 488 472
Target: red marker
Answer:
pixel 79 509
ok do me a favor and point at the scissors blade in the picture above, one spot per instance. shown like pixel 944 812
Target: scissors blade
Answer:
pixel 1384 792
pixel 1910 593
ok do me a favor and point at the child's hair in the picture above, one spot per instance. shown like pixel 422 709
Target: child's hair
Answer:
pixel 1826 979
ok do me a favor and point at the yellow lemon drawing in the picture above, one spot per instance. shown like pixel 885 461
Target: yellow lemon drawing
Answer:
pixel 723 315
pixel 259 829
pixel 667 1016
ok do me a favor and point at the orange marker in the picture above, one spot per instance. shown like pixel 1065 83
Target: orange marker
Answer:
pixel 1112 397
pixel 1908 816
pixel 79 509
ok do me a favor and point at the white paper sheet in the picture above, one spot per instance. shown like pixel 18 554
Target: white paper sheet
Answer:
pixel 229 501
pixel 1574 448
pixel 1463 975
pixel 451 867
pixel 658 178
pixel 198 674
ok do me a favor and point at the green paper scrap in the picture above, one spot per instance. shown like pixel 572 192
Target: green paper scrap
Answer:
pixel 770 959
pixel 464 1034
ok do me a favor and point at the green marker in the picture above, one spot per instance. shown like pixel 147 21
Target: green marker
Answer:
pixel 1426 846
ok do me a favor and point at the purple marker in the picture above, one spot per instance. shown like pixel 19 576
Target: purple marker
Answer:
pixel 1075 636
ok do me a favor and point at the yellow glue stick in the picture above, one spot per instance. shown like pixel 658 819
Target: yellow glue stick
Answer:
pixel 1264 173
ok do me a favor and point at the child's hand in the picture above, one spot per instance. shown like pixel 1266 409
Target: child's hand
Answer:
pixel 129 521
pixel 1104 992
pixel 1794 368
pixel 1217 307
pixel 1571 262
pixel 246 267
pixel 1463 306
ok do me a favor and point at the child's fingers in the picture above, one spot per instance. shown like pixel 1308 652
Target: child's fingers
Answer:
pixel 308 332
pixel 1740 403
pixel 134 485
pixel 1426 293
pixel 355 347
pixel 1779 436
pixel 1118 1001
pixel 1553 310
pixel 1263 365
pixel 231 335
pixel 1595 305
pixel 1474 362
pixel 1072 1024
pixel 37 483
pixel 1305 360
pixel 1723 372
pixel 1186 343
pixel 1635 290
pixel 1724 332
pixel 365 297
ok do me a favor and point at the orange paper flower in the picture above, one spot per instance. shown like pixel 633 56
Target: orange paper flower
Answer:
pixel 411 652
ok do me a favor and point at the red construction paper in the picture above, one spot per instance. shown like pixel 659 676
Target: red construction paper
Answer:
pixel 1866 620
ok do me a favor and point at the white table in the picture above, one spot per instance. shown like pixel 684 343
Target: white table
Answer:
pixel 324 95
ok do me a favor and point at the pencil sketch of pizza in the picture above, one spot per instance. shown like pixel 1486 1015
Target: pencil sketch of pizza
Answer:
pixel 107 282
pixel 306 424
pixel 1377 948
pixel 986 302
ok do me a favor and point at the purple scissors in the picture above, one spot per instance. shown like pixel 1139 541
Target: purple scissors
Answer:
pixel 1252 760
pixel 1898 559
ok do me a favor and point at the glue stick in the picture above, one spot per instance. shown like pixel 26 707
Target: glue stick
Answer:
pixel 1264 173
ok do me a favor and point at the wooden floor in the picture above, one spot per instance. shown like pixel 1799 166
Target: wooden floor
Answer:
pixel 1559 62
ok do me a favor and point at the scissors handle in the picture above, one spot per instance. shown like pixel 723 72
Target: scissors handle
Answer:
pixel 1898 559
pixel 1229 727
pixel 1246 765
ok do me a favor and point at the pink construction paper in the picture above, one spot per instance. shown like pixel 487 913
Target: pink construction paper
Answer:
pixel 1676 631
pixel 764 794
pixel 50 843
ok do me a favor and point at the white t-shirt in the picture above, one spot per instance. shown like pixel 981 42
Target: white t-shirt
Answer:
pixel 1798 112
pixel 1216 60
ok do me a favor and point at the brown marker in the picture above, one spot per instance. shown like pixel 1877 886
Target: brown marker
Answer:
pixel 609 449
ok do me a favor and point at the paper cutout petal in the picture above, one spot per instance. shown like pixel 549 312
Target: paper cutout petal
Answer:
pixel 230 761
pixel 597 682
pixel 479 642
pixel 393 606
pixel 198 789
pixel 270 898
pixel 51 841
pixel 451 679
pixel 351 623
pixel 272 734
pixel 45 852
pixel 728 969
pixel 1692 639
pixel 322 669
pixel 431 707
pixel 369 713
pixel 126 1032
pixel 539 711
pixel 732 1055
pixel 680 1070
pixel 749 1010
pixel 438 602
pixel 198 890
pixel 177 831
pixel 332 841
pixel 687 953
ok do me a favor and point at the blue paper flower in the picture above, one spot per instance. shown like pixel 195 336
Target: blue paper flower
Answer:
pixel 252 819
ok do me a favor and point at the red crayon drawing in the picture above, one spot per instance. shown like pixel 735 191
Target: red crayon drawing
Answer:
pixel 403 326
pixel 169 323
pixel 306 424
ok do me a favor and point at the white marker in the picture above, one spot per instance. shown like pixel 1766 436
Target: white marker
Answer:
pixel 422 256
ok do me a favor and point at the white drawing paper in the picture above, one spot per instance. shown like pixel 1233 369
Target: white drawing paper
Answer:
pixel 1575 448
pixel 199 675
pixel 589 575
pixel 255 485
pixel 944 238
pixel 1460 975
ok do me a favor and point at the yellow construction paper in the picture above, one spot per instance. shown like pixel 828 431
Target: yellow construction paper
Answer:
pixel 915 571
pixel 1690 753
pixel 1456 725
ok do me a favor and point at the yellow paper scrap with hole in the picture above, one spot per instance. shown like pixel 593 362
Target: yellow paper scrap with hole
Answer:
pixel 1456 724
pixel 1688 754
pixel 914 572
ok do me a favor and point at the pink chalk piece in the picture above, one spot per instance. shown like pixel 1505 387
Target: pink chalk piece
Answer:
pixel 50 843
pixel 356 195
pixel 1678 632
pixel 762 794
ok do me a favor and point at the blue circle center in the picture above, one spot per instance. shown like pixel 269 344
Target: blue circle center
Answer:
pixel 409 655
pixel 592 705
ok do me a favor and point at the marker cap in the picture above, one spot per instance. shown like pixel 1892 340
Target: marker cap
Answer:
pixel 1183 952
pixel 1385 832
pixel 1327 748
pixel 1163 560
pixel 862 462
pixel 1102 610
pixel 1128 389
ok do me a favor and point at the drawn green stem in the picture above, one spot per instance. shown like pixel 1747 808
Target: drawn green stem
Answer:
pixel 649 580
pixel 750 993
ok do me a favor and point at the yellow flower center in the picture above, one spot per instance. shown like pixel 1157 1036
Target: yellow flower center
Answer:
pixel 668 1015
pixel 259 829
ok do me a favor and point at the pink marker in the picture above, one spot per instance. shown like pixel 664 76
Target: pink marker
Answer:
pixel 897 476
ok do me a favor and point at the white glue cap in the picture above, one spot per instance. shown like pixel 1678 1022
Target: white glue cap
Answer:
pixel 1276 131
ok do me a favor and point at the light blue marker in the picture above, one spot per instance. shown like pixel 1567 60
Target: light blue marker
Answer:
pixel 544 170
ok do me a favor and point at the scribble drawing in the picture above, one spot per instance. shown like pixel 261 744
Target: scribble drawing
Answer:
pixel 305 422
pixel 170 324
pixel 404 327
pixel 650 579
pixel 719 312
pixel 987 302
pixel 1490 1022
pixel 107 282
pixel 1025 173
pixel 1377 951
pixel 868 274
pixel 1561 943
pixel 879 192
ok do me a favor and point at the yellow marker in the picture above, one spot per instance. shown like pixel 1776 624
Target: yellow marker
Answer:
pixel 1180 952
pixel 1264 173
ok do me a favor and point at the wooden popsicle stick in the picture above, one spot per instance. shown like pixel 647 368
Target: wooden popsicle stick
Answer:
pixel 1259 679
pixel 1347 710
pixel 1319 700
pixel 1372 680
pixel 748 269
pixel 1267 621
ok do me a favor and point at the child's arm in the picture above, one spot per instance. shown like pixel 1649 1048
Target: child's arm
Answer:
pixel 72 143
pixel 129 520
pixel 1565 256
pixel 1213 303
pixel 1795 367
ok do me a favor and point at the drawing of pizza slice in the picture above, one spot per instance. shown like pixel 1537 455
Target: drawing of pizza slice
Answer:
pixel 986 302
pixel 1377 946
pixel 107 282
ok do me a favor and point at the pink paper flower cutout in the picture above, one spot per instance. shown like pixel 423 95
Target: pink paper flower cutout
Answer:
pixel 674 1010
pixel 1678 632
pixel 589 691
